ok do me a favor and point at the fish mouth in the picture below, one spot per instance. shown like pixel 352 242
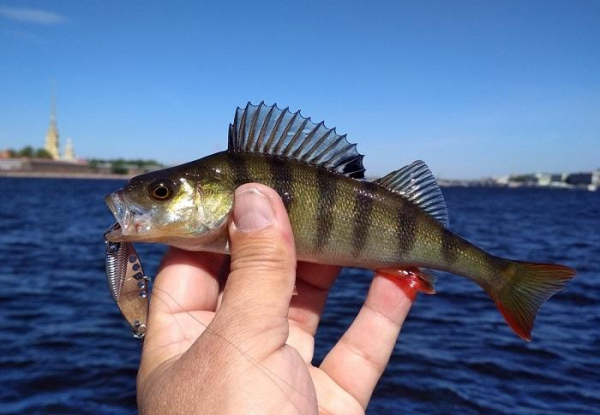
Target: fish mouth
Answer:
pixel 113 233
pixel 134 222
pixel 118 208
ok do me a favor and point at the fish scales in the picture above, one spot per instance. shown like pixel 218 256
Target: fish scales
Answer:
pixel 395 225
pixel 363 224
pixel 354 222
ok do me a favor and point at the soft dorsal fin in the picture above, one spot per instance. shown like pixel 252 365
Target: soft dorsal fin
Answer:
pixel 416 183
pixel 278 132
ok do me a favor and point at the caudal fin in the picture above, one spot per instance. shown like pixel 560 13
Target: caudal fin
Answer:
pixel 528 286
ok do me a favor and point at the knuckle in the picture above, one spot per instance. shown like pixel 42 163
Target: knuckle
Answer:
pixel 369 358
pixel 261 253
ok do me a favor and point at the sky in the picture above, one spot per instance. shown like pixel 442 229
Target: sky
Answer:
pixel 473 88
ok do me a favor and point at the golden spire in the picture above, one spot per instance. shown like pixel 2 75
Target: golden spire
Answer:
pixel 52 137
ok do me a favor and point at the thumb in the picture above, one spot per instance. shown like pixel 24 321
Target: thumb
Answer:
pixel 257 294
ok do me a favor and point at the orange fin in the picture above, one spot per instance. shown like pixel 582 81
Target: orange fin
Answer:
pixel 528 286
pixel 419 279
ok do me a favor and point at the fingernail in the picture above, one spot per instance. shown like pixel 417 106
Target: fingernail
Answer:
pixel 252 210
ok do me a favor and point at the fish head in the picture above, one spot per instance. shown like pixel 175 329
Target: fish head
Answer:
pixel 175 204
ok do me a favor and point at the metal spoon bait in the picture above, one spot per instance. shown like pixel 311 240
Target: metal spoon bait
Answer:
pixel 128 284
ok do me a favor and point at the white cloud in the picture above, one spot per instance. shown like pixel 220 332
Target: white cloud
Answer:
pixel 36 16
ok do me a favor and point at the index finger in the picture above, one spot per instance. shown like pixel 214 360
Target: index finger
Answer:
pixel 190 280
pixel 184 297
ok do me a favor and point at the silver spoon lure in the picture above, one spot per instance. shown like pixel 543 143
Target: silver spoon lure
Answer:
pixel 128 284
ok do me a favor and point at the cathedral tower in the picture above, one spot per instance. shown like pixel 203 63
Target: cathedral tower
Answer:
pixel 69 151
pixel 52 143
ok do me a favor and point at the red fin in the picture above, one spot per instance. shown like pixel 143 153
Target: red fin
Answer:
pixel 528 286
pixel 418 279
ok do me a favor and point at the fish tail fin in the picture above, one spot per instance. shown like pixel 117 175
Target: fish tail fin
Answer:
pixel 528 285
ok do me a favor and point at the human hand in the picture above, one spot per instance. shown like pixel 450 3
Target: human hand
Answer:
pixel 248 348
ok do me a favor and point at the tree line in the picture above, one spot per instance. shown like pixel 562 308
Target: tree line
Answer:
pixel 29 152
pixel 122 166
pixel 117 166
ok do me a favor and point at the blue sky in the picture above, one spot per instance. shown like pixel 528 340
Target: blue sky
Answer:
pixel 474 88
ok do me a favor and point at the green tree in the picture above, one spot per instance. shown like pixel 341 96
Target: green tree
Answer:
pixel 42 153
pixel 93 164
pixel 26 152
pixel 119 167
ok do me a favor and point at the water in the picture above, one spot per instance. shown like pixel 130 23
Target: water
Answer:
pixel 65 349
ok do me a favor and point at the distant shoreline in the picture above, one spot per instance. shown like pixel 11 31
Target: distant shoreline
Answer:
pixel 49 175
pixel 442 183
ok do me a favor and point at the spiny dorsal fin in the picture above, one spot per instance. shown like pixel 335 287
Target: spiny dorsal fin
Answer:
pixel 278 132
pixel 416 183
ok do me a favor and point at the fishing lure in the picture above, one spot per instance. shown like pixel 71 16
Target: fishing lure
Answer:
pixel 129 285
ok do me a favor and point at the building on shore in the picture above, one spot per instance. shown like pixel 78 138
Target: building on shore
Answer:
pixel 596 179
pixel 69 154
pixel 37 165
pixel 52 140
pixel 548 179
pixel 581 180
pixel 57 164
pixel 52 137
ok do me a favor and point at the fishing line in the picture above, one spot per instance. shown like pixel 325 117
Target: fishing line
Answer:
pixel 259 365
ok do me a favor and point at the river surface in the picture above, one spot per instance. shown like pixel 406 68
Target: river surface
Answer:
pixel 64 347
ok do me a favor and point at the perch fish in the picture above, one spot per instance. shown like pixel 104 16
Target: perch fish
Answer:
pixel 396 225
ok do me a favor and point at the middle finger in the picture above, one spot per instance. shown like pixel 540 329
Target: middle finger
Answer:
pixel 313 282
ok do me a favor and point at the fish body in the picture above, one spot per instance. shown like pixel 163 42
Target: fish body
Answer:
pixel 394 224
pixel 341 220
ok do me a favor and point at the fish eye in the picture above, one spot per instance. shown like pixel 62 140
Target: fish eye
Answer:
pixel 161 190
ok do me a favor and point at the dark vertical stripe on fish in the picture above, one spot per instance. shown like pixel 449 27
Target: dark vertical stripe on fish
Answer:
pixel 282 176
pixel 238 165
pixel 449 251
pixel 363 207
pixel 406 229
pixel 327 187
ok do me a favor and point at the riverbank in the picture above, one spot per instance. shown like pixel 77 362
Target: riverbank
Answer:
pixel 443 183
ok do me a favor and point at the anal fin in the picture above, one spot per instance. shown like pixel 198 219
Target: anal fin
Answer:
pixel 419 279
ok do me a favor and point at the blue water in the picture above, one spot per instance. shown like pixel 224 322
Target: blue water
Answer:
pixel 64 347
